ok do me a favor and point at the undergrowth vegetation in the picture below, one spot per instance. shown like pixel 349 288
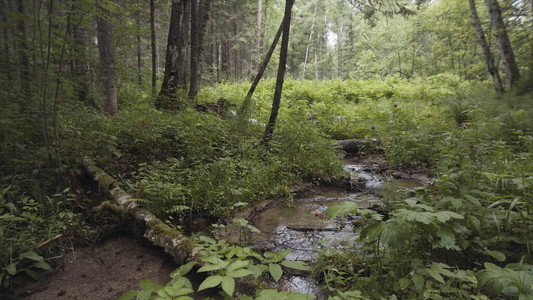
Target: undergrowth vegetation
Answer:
pixel 468 235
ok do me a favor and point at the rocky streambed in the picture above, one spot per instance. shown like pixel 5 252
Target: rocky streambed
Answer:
pixel 302 226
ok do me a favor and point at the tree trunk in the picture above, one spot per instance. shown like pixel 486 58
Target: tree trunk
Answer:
pixel 81 70
pixel 176 58
pixel 258 34
pixel 175 243
pixel 269 130
pixel 489 58
pixel 510 68
pixel 262 68
pixel 265 35
pixel 106 51
pixel 339 38
pixel 153 44
pixel 23 49
pixel 139 46
pixel 309 41
pixel 7 54
pixel 199 21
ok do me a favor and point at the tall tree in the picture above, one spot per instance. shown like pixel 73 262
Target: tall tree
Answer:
pixel 106 51
pixel 258 37
pixel 199 21
pixel 276 101
pixel 153 46
pixel 311 32
pixel 139 44
pixel 340 37
pixel 489 58
pixel 510 67
pixel 23 48
pixel 175 77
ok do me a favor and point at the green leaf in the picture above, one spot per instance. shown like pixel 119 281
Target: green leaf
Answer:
pixel 42 265
pixel 184 298
pixel 276 271
pixel 341 209
pixel 146 283
pixel 210 282
pixel 239 273
pixel 372 232
pixel 239 264
pixel 183 270
pixel 11 269
pixel 473 200
pixel 404 283
pixel 497 255
pixel 144 294
pixel 297 265
pixel 31 255
pixel 228 285
pixel 128 295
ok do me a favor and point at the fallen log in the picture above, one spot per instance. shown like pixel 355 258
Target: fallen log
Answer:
pixel 174 242
pixel 356 145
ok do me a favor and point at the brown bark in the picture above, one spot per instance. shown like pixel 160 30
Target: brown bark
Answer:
pixel 80 66
pixel 176 58
pixel 106 51
pixel 153 45
pixel 489 58
pixel 269 130
pixel 510 67
pixel 199 21
pixel 7 54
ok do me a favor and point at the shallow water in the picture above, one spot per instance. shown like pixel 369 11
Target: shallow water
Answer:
pixel 303 228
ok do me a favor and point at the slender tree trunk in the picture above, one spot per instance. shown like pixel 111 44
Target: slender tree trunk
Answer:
pixel 153 44
pixel 340 37
pixel 265 35
pixel 510 67
pixel 139 46
pixel 269 130
pixel 194 50
pixel 309 41
pixel 7 54
pixel 176 58
pixel 199 21
pixel 106 52
pixel 262 69
pixel 23 49
pixel 81 69
pixel 489 58
pixel 258 34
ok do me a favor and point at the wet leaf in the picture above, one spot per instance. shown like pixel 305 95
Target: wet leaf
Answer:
pixel 297 265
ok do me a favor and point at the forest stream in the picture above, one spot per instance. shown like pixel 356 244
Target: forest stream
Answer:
pixel 108 270
pixel 303 227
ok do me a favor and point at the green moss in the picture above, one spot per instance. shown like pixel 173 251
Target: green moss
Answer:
pixel 185 245
pixel 105 182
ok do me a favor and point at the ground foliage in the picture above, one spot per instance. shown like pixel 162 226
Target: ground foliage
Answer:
pixel 467 235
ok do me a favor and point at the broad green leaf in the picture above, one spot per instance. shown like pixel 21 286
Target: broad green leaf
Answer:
pixel 473 200
pixel 275 271
pixel 447 237
pixel 228 285
pixel 208 268
pixel 128 295
pixel 146 284
pixel 341 209
pixel 497 255
pixel 31 255
pixel 257 270
pixel 372 232
pixel 183 270
pixel 423 217
pixel 239 273
pixel 411 202
pixel 210 282
pixel 404 283
pixel 298 265
pixel 144 294
pixel 11 269
pixel 239 264
pixel 184 298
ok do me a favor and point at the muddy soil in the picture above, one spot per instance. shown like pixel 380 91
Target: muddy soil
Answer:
pixel 103 271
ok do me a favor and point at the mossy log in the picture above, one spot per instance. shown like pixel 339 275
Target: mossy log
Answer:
pixel 174 242
pixel 356 145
